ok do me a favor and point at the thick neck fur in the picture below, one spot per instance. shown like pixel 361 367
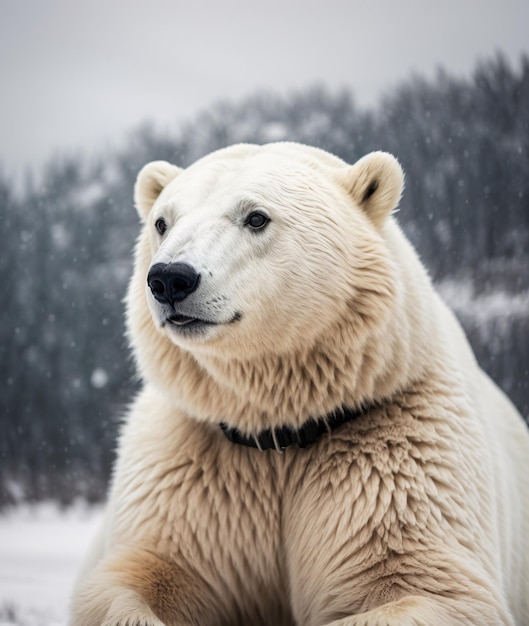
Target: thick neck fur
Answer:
pixel 377 348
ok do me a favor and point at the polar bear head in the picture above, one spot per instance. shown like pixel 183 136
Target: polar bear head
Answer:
pixel 256 249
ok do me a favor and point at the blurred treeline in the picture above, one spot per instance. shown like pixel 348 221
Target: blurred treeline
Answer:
pixel 66 375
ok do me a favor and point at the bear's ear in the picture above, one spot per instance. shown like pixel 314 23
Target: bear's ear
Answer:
pixel 376 183
pixel 151 180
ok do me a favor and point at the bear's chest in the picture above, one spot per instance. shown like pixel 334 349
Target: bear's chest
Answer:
pixel 267 531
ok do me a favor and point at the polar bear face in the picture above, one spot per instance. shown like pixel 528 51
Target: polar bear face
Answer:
pixel 261 249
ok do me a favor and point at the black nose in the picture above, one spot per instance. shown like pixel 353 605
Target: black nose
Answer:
pixel 172 282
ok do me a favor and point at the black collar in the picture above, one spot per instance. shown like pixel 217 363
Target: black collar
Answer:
pixel 282 437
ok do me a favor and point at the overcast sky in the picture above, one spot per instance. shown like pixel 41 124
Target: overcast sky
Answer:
pixel 77 74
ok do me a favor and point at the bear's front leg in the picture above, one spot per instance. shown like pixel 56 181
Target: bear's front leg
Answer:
pixel 112 607
pixel 137 587
pixel 408 611
pixel 422 611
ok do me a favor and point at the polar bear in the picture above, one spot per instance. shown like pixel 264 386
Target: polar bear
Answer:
pixel 314 443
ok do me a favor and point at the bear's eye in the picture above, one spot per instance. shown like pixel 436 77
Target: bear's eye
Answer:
pixel 256 220
pixel 160 226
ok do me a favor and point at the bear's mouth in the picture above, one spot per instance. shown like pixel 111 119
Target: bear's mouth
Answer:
pixel 184 320
pixel 186 325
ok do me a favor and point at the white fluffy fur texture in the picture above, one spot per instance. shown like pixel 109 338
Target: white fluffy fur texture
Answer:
pixel 414 514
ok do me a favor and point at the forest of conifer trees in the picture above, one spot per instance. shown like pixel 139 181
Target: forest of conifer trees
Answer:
pixel 68 235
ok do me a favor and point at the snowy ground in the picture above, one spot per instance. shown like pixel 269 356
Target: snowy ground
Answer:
pixel 40 551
